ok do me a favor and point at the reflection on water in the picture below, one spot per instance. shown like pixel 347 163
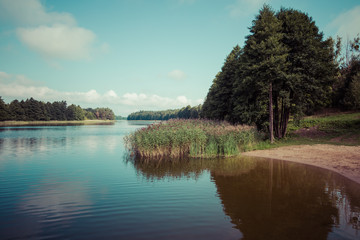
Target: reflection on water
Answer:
pixel 77 182
pixel 270 199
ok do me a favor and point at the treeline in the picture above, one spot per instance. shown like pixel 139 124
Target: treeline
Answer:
pixel 33 110
pixel 183 113
pixel 120 118
pixel 286 68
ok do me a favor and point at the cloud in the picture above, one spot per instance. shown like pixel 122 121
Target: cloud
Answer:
pixel 176 75
pixel 20 87
pixel 51 34
pixel 58 41
pixel 346 25
pixel 155 102
pixel 32 12
pixel 243 8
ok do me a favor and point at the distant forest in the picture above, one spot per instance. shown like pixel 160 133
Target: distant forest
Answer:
pixel 183 113
pixel 33 110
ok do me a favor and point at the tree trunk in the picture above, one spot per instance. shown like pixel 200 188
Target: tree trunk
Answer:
pixel 285 122
pixel 271 118
pixel 276 116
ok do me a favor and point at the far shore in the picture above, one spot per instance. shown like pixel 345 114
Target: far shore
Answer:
pixel 344 160
pixel 55 123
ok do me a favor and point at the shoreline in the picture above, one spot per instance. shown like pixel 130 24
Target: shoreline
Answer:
pixel 344 160
pixel 55 123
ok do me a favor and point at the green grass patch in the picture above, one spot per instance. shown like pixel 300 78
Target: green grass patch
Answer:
pixel 176 139
pixel 336 129
pixel 334 123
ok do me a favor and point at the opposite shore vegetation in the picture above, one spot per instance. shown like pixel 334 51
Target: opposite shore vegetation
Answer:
pixel 286 70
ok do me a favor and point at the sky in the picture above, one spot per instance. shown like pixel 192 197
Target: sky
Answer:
pixel 133 55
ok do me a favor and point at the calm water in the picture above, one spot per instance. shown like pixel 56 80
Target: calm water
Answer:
pixel 75 182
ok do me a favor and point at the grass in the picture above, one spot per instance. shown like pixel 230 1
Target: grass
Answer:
pixel 54 123
pixel 177 139
pixel 336 129
pixel 205 139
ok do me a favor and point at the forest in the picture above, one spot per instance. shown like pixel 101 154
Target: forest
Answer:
pixel 286 69
pixel 33 110
pixel 183 113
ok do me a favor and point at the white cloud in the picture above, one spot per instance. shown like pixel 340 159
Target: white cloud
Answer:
pixel 32 12
pixel 58 41
pixel 51 34
pixel 177 75
pixel 20 87
pixel 243 8
pixel 347 24
pixel 155 102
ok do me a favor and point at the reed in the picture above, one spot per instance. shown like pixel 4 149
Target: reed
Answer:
pixel 176 139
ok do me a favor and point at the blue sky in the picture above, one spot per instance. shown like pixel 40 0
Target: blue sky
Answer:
pixel 133 55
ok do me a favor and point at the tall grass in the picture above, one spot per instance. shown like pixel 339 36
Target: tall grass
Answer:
pixel 190 138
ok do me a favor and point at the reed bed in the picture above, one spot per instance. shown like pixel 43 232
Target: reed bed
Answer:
pixel 176 139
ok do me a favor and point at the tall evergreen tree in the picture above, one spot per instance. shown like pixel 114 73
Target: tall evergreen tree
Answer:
pixel 287 64
pixel 311 70
pixel 265 70
pixel 218 101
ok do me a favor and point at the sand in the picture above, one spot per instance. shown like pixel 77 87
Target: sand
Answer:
pixel 342 159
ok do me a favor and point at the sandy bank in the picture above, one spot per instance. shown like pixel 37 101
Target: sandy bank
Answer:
pixel 342 159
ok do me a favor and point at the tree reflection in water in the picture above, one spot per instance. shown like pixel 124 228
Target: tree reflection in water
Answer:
pixel 271 199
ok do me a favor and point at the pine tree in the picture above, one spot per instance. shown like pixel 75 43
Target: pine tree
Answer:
pixel 218 101
pixel 311 70
pixel 265 70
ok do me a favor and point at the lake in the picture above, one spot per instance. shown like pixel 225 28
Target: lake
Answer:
pixel 77 182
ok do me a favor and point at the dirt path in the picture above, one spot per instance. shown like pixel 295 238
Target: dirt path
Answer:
pixel 342 159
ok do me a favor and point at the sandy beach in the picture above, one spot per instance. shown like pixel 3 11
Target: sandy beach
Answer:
pixel 342 159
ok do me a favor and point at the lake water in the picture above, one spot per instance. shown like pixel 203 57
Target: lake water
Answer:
pixel 75 182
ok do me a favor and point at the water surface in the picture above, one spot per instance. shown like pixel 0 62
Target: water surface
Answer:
pixel 76 182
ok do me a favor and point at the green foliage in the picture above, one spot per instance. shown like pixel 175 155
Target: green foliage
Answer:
pixel 100 113
pixel 4 110
pixel 190 138
pixel 285 66
pixel 312 69
pixel 346 92
pixel 346 89
pixel 74 112
pixel 183 113
pixel 218 103
pixel 120 118
pixel 355 91
pixel 33 110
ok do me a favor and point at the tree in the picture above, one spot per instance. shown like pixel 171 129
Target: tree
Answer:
pixel 4 111
pixel 184 113
pixel 345 88
pixel 218 100
pixel 265 71
pixel 34 110
pixel 286 63
pixel 59 110
pixel 74 112
pixel 312 68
